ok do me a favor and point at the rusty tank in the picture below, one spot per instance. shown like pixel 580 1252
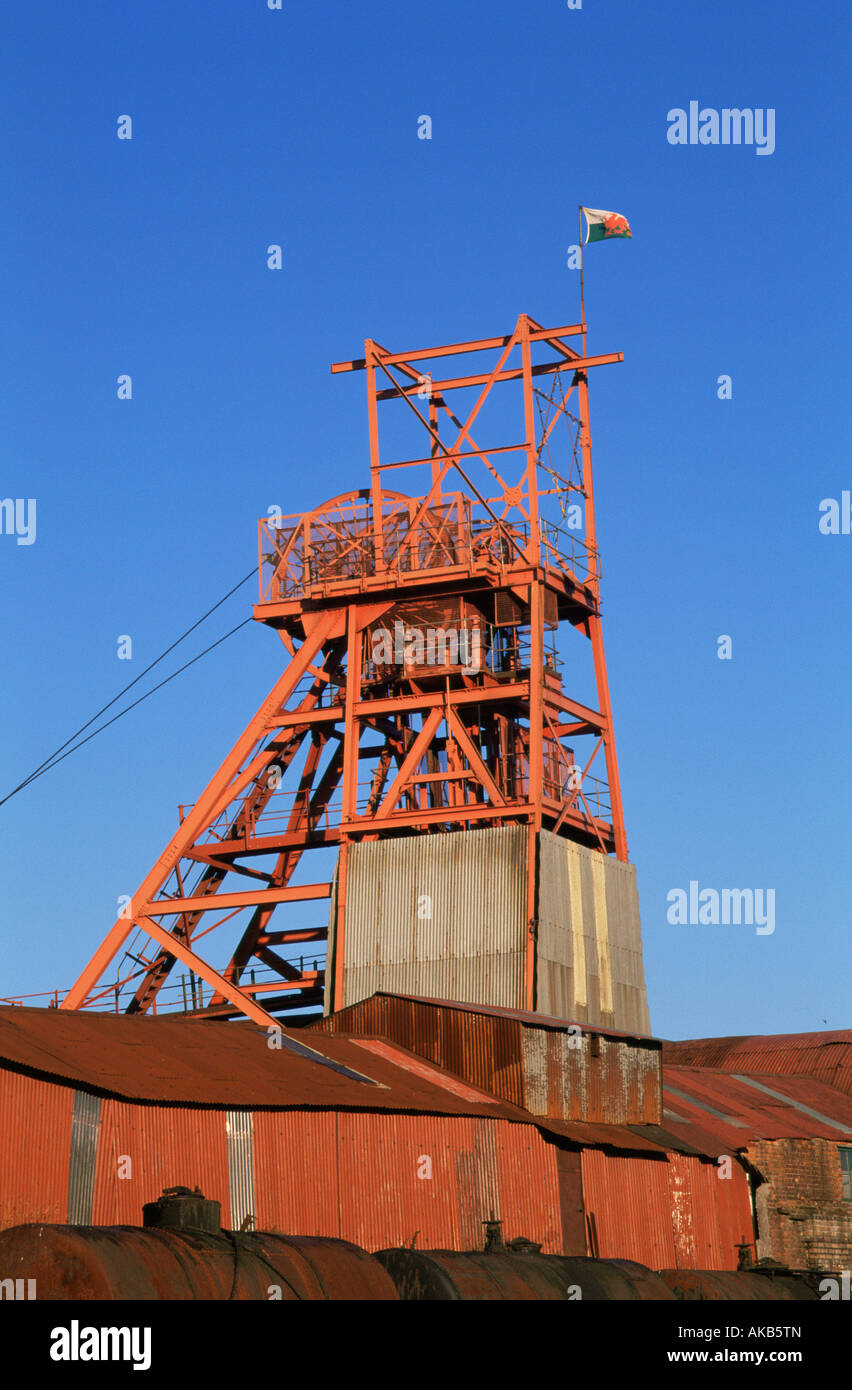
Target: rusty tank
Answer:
pixel 706 1285
pixel 475 1276
pixel 182 1253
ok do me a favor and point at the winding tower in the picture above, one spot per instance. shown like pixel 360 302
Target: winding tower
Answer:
pixel 440 739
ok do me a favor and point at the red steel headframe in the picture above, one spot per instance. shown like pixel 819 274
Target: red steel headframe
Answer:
pixel 475 562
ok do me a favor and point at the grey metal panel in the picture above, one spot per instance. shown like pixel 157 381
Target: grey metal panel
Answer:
pixel 494 980
pixel 626 937
pixel 610 939
pixel 330 951
pixel 438 915
pixel 240 1165
pixel 444 916
pixel 85 1124
pixel 559 915
pixel 536 1047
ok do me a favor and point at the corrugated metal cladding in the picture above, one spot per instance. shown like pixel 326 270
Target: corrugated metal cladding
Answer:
pixel 34 1174
pixel 825 1056
pixel 470 947
pixel 385 1178
pixel 374 1178
pixel 610 1082
pixel 482 1048
pixel 738 1108
pixel 546 1069
pixel 589 959
pixel 676 1213
pixel 85 1123
pixel 145 1148
pixel 240 1166
pixel 437 1075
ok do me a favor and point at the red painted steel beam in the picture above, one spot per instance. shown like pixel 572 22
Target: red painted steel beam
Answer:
pixel 306 892
pixel 485 694
pixel 601 359
pixel 193 962
pixel 412 758
pixel 496 694
pixel 448 815
pixel 198 818
pixel 252 845
pixel 454 454
pixel 572 330
pixel 554 699
pixel 291 938
pixel 308 980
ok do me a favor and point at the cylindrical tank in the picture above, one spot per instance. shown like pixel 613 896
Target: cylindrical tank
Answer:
pixel 128 1262
pixel 475 1276
pixel 739 1285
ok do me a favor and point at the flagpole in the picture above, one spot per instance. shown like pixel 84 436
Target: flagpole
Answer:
pixel 582 288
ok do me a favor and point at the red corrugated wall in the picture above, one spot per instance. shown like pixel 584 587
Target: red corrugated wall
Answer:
pixel 674 1214
pixel 718 1212
pixel 373 1195
pixel 167 1146
pixel 35 1145
pixel 629 1200
pixel 295 1175
pixel 375 1179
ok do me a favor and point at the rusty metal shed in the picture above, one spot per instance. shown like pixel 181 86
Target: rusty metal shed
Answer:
pixel 98 1113
pixel 825 1056
pixel 740 1108
pixel 552 1067
pixel 350 1136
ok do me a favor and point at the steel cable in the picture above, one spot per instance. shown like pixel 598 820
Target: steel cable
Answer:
pixel 55 757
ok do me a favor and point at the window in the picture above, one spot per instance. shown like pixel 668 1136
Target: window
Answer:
pixel 846 1173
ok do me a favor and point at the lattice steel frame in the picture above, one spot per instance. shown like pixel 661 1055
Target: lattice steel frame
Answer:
pixel 457 749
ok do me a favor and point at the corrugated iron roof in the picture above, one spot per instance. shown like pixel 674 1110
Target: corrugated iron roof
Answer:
pixel 736 1109
pixel 381 1048
pixel 519 1015
pixel 189 1062
pixel 826 1056
pixel 179 1061
pixel 208 1063
pixel 623 1137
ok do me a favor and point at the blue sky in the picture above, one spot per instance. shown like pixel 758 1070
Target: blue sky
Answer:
pixel 299 127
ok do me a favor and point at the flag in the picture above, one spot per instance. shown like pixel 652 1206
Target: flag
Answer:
pixel 603 226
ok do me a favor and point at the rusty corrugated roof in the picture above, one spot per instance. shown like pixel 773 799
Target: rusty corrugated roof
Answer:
pixel 207 1063
pixel 519 1015
pixel 737 1108
pixel 179 1061
pixel 632 1137
pixel 826 1056
pixel 189 1062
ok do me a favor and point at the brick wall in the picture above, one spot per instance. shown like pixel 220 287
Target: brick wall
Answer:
pixel 802 1218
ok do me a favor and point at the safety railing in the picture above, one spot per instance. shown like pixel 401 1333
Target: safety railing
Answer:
pixel 339 548
pixel 187 993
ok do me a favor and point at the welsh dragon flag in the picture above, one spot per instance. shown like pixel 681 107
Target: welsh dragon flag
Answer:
pixel 603 226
